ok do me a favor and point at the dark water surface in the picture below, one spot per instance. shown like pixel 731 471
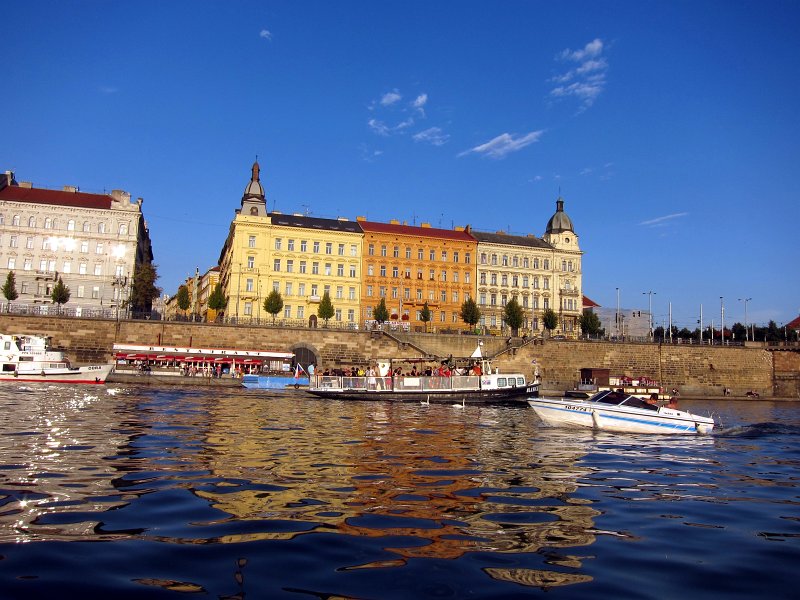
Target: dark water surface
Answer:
pixel 123 492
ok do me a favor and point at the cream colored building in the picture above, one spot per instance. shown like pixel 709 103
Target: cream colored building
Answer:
pixel 541 273
pixel 301 257
pixel 92 241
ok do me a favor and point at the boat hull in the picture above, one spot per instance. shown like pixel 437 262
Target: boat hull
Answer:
pixel 92 374
pixel 489 396
pixel 570 413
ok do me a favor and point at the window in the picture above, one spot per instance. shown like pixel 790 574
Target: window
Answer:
pixel 290 266
pixel 536 283
pixel 48 223
pixel 314 289
pixel 341 249
pixel 339 292
pixel 43 264
pixel 278 243
pixel 328 248
pixel 432 255
pixel 408 252
pixel 525 262
pixel 101 228
pixel 351 315
pixel 251 262
pixel 504 280
pixel 494 259
pixel 84 246
pixel 419 294
pixel 407 293
pixel 86 227
pixel 248 286
pixel 493 299
pixel 290 245
pixel 370 270
pixel 467 277
pixel 515 261
pixel 315 268
pixel 369 290
pixel 328 269
pixel 546 265
pixel 301 312
pixel 251 241
pixel 32 222
pixel 24 288
pixel 303 246
pixel 340 270
pixel 444 275
pixel 337 314
pixel 352 270
pixel 563 265
pixel 353 250
pixel 524 281
pixel 383 270
pixel 123 228
pixel 301 289
pixel 395 292
pixel 419 254
pixel 276 265
pixel 95 292
pixel 547 303
pixel 503 299
pixel 80 291
pixel 395 272
pixel 383 250
pixel 15 220
pixel 396 252
pixel 351 293
pixel 276 285
pixel 29 243
pixel 535 263
pixel 316 248
pixel 29 265
pixel 98 270
pixel 287 311
pixel 442 316
pixel 493 278
pixel 71 225
pixel 483 258
pixel 248 309
pixel 455 297
pixel 12 262
pixel 382 291
pixel 302 266
pixel 82 268
pixel 371 250
pixel 455 276
pixel 546 283
pixel 13 242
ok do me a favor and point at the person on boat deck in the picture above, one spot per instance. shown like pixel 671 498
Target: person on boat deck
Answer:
pixel 476 369
pixel 414 371
pixel 673 403
pixel 653 399
pixel 428 371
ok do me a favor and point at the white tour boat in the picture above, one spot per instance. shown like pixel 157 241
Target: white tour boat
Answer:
pixel 616 411
pixel 29 358
pixel 476 382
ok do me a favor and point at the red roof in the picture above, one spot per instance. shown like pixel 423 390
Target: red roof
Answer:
pixel 794 323
pixel 14 193
pixel 589 303
pixel 432 232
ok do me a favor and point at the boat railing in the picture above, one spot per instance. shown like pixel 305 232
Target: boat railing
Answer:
pixel 398 384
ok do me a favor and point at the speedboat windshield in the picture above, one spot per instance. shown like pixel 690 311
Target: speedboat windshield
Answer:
pixel 619 398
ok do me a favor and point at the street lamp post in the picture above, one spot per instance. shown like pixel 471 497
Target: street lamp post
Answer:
pixel 650 311
pixel 617 320
pixel 746 333
pixel 722 320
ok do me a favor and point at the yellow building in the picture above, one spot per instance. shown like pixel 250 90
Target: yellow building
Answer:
pixel 299 256
pixel 540 273
pixel 409 266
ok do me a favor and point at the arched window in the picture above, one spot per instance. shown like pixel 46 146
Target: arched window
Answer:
pixel 86 226
pixel 48 223
pixel 15 220
pixel 71 225
pixel 32 222
pixel 123 229
pixel 101 227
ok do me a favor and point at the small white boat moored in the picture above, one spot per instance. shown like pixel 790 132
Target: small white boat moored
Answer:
pixel 619 412
pixel 29 358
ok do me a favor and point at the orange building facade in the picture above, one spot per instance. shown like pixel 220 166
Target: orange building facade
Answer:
pixel 409 266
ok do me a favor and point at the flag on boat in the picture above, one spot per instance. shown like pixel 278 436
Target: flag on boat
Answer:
pixel 297 370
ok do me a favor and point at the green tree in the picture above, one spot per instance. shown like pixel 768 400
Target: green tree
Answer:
pixel 425 315
pixel 182 299
pixel 217 301
pixel 60 294
pixel 470 313
pixel 549 320
pixel 380 313
pixel 513 316
pixel 325 309
pixel 273 304
pixel 590 323
pixel 10 289
pixel 143 288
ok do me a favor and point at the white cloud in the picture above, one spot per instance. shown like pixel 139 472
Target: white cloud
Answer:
pixel 505 144
pixel 265 34
pixel 661 221
pixel 587 80
pixel 421 100
pixel 378 127
pixel 390 98
pixel 432 135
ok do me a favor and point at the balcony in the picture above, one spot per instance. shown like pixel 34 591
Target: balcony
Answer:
pixel 314 298
pixel 45 275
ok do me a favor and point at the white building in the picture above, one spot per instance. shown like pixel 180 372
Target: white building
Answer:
pixel 92 241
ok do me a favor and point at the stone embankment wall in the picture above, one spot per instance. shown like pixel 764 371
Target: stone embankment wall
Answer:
pixel 694 370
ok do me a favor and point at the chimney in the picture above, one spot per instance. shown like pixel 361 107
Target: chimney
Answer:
pixel 69 188
pixel 428 225
pixel 394 222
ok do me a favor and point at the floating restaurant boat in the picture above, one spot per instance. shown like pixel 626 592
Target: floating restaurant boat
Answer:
pixel 599 380
pixel 619 412
pixel 29 358
pixel 474 382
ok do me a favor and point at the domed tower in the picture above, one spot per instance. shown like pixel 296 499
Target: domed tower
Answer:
pixel 254 203
pixel 559 233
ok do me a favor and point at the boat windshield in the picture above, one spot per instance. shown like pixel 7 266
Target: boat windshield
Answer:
pixel 618 398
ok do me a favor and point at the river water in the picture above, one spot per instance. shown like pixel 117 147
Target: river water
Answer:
pixel 128 492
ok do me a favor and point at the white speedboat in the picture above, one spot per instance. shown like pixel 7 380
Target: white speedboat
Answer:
pixel 620 412
pixel 29 358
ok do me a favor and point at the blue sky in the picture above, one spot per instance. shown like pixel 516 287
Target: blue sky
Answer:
pixel 670 128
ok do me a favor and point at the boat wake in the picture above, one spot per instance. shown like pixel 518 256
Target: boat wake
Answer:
pixel 757 430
